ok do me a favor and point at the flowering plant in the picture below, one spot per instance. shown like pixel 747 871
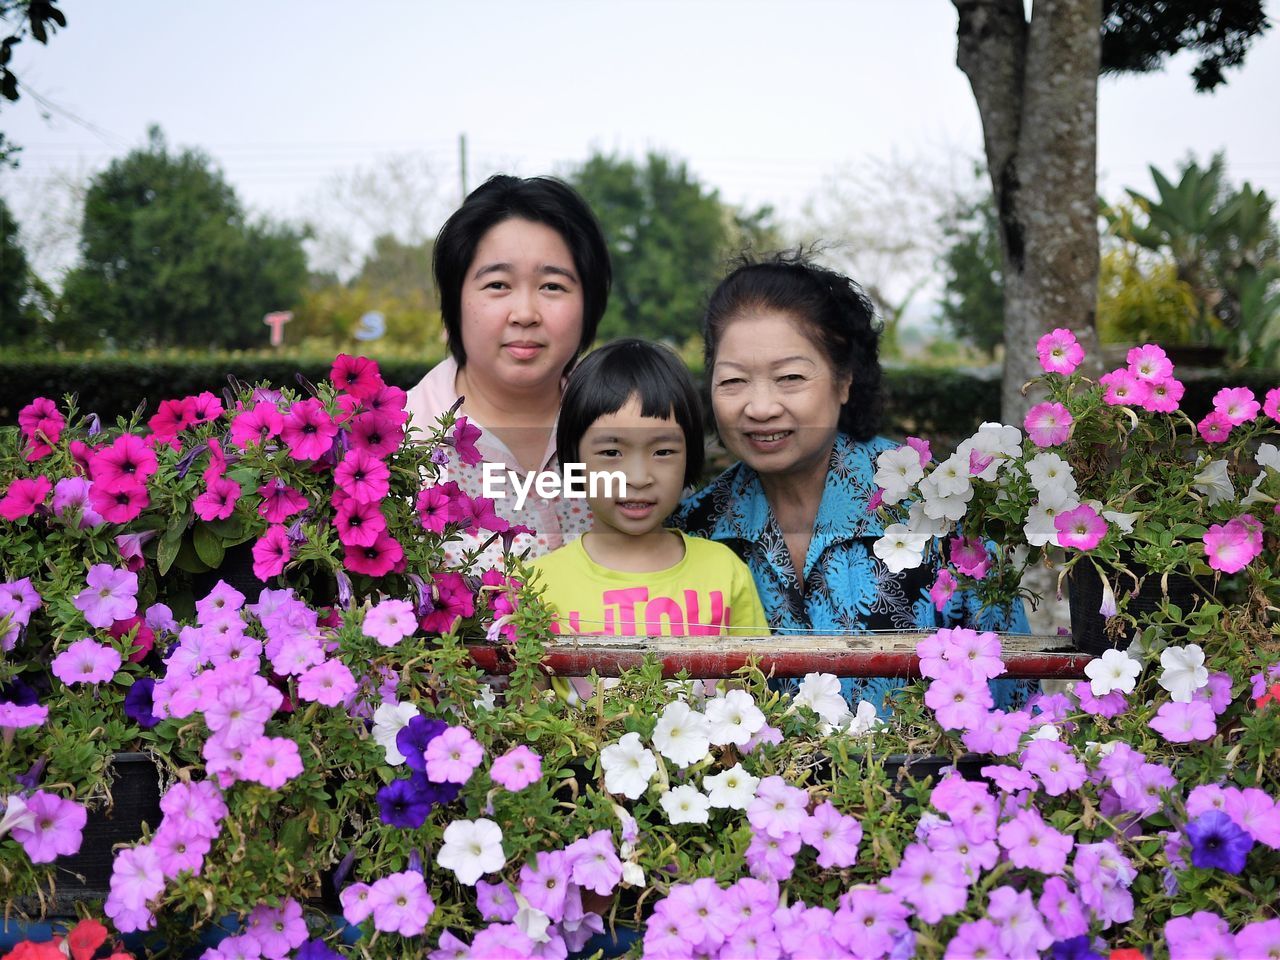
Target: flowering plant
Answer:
pixel 1112 474
pixel 328 722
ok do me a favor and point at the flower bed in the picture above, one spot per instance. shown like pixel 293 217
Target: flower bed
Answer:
pixel 329 731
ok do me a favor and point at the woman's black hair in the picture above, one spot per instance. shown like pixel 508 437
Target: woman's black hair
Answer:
pixel 833 310
pixel 537 199
pixel 603 382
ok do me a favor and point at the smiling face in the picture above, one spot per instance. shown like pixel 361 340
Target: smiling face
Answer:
pixel 775 397
pixel 521 308
pixel 650 452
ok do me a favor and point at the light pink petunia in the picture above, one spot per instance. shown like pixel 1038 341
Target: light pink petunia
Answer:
pixel 390 621
pixel 328 683
pixel 109 596
pixel 1165 395
pixel 1059 352
pixel 452 756
pixel 56 830
pixel 1048 424
pixel 1185 722
pixel 516 769
pixel 86 661
pixel 1150 363
pixel 271 761
pixel 1237 404
pixel 1124 389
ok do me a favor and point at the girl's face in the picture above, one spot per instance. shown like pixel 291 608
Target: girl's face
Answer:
pixel 776 400
pixel 650 453
pixel 521 307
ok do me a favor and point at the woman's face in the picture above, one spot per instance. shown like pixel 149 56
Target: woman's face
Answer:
pixel 521 307
pixel 776 400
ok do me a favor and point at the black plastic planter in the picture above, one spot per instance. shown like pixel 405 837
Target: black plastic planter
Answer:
pixel 1089 626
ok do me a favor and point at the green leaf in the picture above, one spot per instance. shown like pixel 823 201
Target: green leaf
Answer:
pixel 166 553
pixel 208 546
pixel 188 559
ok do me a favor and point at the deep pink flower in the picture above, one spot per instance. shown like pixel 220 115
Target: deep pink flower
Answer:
pixel 436 506
pixel 375 433
pixel 41 423
pixel 454 599
pixel 172 417
pixel 1165 395
pixel 111 595
pixel 1237 404
pixel 218 502
pixel 1080 528
pixel 358 376
pixel 1215 427
pixel 464 438
pixel 119 500
pixel 943 588
pixel 389 401
pixel 1048 424
pixel 23 497
pixel 271 553
pixel 257 425
pixel 969 556
pixel 1149 362
pixel 205 408
pixel 56 831
pixel 1230 547
pixel 376 560
pixel 922 448
pixel 359 524
pixel 308 430
pixel 1108 705
pixel 1185 722
pixel 1059 352
pixel 362 476
pixel 86 661
pixel 1271 405
pixel 128 457
pixel 1123 388
pixel 516 769
pixel 280 501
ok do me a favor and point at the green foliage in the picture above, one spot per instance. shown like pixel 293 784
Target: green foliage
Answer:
pixel 1141 300
pixel 18 316
pixel 669 237
pixel 169 257
pixel 1224 247
pixel 40 19
pixel 973 298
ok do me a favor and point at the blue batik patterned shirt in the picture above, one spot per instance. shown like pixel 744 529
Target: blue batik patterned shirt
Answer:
pixel 844 587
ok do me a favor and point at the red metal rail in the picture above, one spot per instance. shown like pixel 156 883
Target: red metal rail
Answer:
pixel 865 655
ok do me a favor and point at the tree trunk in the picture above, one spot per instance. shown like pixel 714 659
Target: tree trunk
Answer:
pixel 1036 85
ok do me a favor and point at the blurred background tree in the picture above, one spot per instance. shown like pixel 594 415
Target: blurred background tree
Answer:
pixel 670 238
pixel 168 257
pixel 972 303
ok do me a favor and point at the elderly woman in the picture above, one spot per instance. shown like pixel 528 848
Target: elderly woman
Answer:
pixel 791 358
pixel 523 273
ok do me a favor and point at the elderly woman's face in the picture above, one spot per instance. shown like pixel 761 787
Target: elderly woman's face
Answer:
pixel 776 399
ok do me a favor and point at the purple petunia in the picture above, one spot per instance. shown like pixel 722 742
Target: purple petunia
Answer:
pixel 834 835
pixel 56 830
pixel 1217 842
pixel 400 805
pixel 111 595
pixel 86 661
pixel 778 808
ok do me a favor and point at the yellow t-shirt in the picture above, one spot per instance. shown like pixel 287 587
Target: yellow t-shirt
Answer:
pixel 709 592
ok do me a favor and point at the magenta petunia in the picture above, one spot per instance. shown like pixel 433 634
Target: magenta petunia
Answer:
pixel 172 417
pixel 1081 528
pixel 271 552
pixel 218 501
pixel 119 500
pixel 86 661
pixel 24 496
pixel 1230 547
pixel 358 524
pixel 41 423
pixel 280 501
pixel 377 559
pixel 1150 363
pixel 257 425
pixel 378 434
pixel 127 458
pixel 1165 395
pixel 1123 388
pixel 358 376
pixel 1059 352
pixel 362 476
pixel 464 436
pixel 308 430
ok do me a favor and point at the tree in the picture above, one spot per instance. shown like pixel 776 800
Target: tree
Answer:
pixel 37 18
pixel 17 317
pixel 973 298
pixel 168 257
pixel 1035 81
pixel 669 237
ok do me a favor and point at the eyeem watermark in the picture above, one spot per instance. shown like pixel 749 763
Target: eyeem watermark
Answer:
pixel 573 483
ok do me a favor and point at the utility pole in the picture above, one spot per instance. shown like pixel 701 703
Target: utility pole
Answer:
pixel 462 162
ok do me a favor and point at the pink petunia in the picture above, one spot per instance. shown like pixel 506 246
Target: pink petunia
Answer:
pixel 359 524
pixel 24 496
pixel 328 683
pixel 172 417
pixel 1123 389
pixel 358 376
pixel 205 408
pixel 516 769
pixel 362 476
pixel 256 426
pixel 111 595
pixel 119 500
pixel 390 621
pixel 71 494
pixel 435 506
pixel 127 458
pixel 218 502
pixel 41 423
pixel 1185 722
pixel 378 434
pixel 452 756
pixel 1215 427
pixel 86 661
pixel 308 430
pixel 935 886
pixel 1271 404
pixel 1236 404
pixel 271 553
pixel 401 904
pixel 1055 765
pixel 833 834
pixel 464 438
pixel 56 831
pixel 1080 528
pixel 1059 352
pixel 1165 395
pixel 1150 363
pixel 1048 424
pixel 377 559
pixel 271 761
pixel 922 448
pixel 1231 547
pixel 943 588
pixel 958 700
pixel 969 556
pixel 1034 845
pixel 280 501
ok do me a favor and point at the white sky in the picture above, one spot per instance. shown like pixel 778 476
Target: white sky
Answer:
pixel 763 98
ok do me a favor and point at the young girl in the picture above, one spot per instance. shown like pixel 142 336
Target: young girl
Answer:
pixel 631 408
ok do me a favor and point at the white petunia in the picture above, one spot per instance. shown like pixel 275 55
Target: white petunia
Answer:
pixel 531 921
pixel 1124 521
pixel 897 471
pixel 1114 670
pixel 487 699
pixel 1268 456
pixel 921 523
pixel 471 849
pixel 632 874
pixel 732 789
pixel 686 804
pixel 628 766
pixel 388 720
pixel 1184 671
pixel 682 735
pixel 864 719
pixel 1215 482
pixel 1049 471
pixel 948 478
pixel 950 507
pixel 733 718
pixel 1046 731
pixel 17 816
pixel 820 692
pixel 899 548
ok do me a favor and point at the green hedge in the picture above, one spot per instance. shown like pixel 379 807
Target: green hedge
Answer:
pixel 945 405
